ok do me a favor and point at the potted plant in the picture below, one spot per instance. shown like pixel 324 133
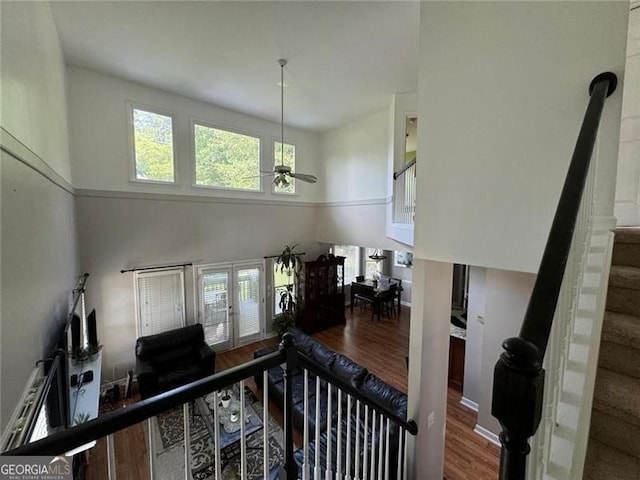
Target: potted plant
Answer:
pixel 290 262
pixel 235 415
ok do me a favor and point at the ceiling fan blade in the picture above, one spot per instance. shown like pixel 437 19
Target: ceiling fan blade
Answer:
pixel 305 177
pixel 264 174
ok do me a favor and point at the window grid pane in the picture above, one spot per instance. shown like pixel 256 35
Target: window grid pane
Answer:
pixel 226 159
pixel 248 309
pixel 153 146
pixel 352 261
pixel 289 160
pixel 215 297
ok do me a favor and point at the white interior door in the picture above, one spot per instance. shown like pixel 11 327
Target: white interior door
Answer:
pixel 231 304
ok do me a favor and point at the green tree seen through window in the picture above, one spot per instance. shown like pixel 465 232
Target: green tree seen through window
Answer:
pixel 226 159
pixel 153 139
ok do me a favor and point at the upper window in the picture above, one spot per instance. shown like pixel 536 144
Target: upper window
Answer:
pixel 288 158
pixel 351 262
pixel 153 146
pixel 226 159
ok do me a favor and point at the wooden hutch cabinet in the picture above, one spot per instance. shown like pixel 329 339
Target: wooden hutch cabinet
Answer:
pixel 323 294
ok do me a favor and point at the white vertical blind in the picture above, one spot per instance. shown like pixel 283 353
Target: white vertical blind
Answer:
pixel 248 300
pixel 160 301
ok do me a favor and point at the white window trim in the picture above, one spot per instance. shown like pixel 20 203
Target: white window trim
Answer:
pixel 193 121
pixel 159 271
pixel 296 191
pixel 131 106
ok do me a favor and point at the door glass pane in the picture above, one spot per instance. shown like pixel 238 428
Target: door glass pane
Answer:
pixel 248 307
pixel 215 297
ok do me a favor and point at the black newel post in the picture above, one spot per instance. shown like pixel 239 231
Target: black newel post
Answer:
pixel 288 345
pixel 518 385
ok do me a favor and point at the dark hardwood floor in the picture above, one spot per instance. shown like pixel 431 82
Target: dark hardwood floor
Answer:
pixel 379 346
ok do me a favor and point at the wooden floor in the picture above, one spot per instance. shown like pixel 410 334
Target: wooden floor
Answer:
pixel 379 346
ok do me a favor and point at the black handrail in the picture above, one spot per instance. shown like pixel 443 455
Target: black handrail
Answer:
pixel 405 167
pixel 67 440
pixel 519 377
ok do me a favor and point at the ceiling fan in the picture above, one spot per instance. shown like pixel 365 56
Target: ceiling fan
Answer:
pixel 282 173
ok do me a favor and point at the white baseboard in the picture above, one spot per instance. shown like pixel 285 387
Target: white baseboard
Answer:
pixel 469 404
pixel 406 304
pixel 484 433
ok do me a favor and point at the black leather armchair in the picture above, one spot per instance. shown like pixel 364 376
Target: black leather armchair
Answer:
pixel 171 359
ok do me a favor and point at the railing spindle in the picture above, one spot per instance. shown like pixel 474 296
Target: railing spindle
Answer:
pixel 339 437
pixel 265 422
pixel 357 452
pixel 243 438
pixel 316 472
pixel 187 442
pixel 372 467
pixel 305 446
pixel 329 414
pixel 347 471
pixel 111 460
pixel 380 447
pixel 386 453
pixel 365 458
pixel 216 439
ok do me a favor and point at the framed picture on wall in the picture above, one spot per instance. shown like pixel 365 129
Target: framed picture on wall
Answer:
pixel 403 259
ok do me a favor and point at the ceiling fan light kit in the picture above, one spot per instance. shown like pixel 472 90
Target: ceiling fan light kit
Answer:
pixel 282 173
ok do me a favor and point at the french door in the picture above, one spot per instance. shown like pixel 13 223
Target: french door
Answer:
pixel 231 303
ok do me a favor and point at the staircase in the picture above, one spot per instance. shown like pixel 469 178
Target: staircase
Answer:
pixel 614 440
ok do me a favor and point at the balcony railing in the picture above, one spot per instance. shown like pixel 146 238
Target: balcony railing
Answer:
pixel 519 378
pixel 362 439
pixel 404 194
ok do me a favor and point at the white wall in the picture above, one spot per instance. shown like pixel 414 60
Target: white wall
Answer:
pixel 33 83
pixel 356 190
pixel 38 239
pixel 475 333
pixel 507 296
pixel 354 159
pixel 499 111
pixel 627 208
pixel 428 366
pixel 101 150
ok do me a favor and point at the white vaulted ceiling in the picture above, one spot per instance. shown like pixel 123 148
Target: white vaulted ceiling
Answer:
pixel 346 59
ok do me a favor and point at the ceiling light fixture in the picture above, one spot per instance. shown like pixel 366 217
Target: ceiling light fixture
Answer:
pixel 377 256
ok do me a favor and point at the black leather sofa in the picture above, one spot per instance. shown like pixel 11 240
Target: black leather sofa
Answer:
pixel 369 385
pixel 171 359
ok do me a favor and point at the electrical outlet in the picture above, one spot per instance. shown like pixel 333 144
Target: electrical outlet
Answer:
pixel 431 419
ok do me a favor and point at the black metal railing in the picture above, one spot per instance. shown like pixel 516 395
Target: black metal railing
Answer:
pixel 287 355
pixel 519 377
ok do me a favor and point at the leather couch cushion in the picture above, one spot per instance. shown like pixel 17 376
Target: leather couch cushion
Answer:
pixel 323 355
pixel 153 345
pixel 385 395
pixel 304 342
pixel 347 370
pixel 172 356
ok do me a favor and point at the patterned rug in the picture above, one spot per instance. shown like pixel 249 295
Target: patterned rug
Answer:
pixel 169 450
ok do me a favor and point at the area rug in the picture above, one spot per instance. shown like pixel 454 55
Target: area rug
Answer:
pixel 169 449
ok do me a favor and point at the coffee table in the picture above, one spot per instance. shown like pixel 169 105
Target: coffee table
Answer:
pixel 230 433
